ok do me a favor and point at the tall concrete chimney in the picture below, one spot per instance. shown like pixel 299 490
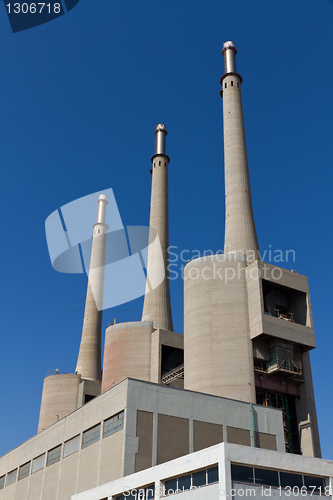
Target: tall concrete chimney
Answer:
pixel 89 360
pixel 157 305
pixel 240 231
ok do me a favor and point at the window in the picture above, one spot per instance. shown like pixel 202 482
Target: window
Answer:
pixel 199 478
pixel 11 477
pixel 91 436
pixel 71 446
pixel 232 83
pixel 53 455
pixel 238 84
pixel 113 424
pixel 2 482
pixel 184 482
pixel 159 163
pixel 225 85
pixel 242 474
pixel 38 463
pixel 312 482
pixel 266 477
pixel 24 470
pixel 212 475
pixel 289 479
pixel 274 478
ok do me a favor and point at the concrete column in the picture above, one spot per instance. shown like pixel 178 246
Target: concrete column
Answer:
pixel 89 360
pixel 157 305
pixel 240 231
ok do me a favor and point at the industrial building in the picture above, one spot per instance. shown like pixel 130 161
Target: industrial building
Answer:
pixel 227 407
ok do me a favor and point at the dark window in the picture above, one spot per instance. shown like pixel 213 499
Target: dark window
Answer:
pixel 165 164
pixel 24 470
pixel 91 436
pixel 88 397
pixel 213 475
pixel 170 486
pixel 310 482
pixel 225 85
pixel 288 479
pixel 150 492
pixel 232 83
pixel 199 478
pixel 184 482
pixel 241 473
pixel 266 477
pixel 54 455
pixel 159 163
pixel 238 84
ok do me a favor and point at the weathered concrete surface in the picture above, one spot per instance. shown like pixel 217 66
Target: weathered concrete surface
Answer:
pixel 240 231
pixel 127 352
pixel 157 305
pixel 114 456
pixel 218 350
pixel 59 398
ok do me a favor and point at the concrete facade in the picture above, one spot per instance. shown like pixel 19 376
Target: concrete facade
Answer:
pixel 127 352
pixel 151 424
pixel 157 304
pixel 240 231
pixel 59 398
pixel 217 345
pixel 224 456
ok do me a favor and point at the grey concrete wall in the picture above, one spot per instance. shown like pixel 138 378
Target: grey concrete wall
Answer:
pixel 157 305
pixel 261 323
pixel 127 352
pixel 147 438
pixel 306 413
pixel 159 338
pixel 222 454
pixel 59 398
pixel 99 463
pixel 240 231
pixel 218 350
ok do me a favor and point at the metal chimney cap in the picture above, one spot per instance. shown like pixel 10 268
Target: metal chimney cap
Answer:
pixel 102 197
pixel 229 45
pixel 161 128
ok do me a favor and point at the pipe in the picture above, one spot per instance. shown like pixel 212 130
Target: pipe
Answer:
pixel 252 425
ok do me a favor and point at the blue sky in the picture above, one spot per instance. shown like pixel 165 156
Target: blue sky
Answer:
pixel 80 98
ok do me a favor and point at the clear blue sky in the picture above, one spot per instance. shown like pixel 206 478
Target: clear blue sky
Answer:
pixel 80 98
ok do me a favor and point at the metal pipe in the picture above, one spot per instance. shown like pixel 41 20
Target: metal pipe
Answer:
pixel 252 425
pixel 161 133
pixel 229 52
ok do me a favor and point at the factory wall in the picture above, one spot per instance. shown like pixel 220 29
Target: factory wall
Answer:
pixel 133 426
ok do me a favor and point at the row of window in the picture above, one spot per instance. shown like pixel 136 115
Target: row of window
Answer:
pixel 159 164
pixel 90 436
pixel 175 485
pixel 194 480
pixel 275 478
